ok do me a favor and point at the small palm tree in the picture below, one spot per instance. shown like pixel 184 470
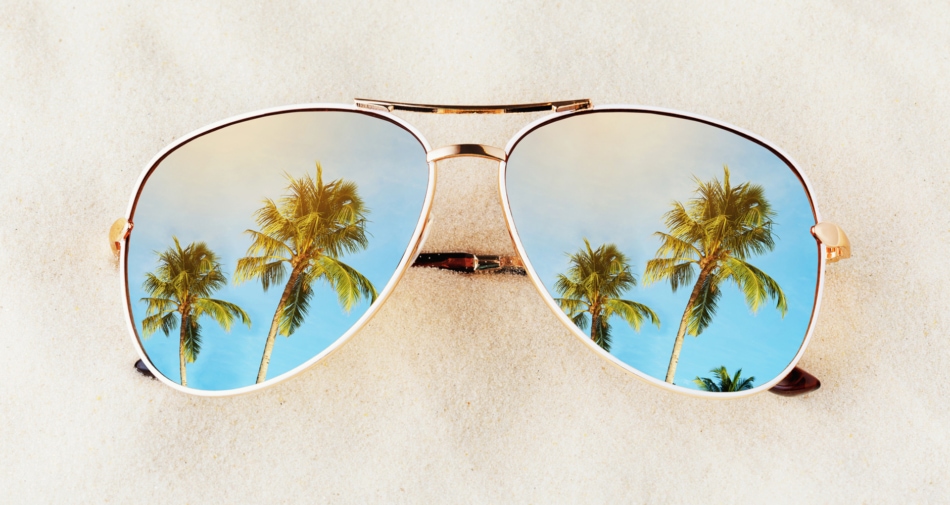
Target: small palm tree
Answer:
pixel 709 240
pixel 308 230
pixel 592 288
pixel 726 384
pixel 180 290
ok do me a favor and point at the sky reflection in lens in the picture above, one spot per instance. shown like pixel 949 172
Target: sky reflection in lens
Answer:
pixel 610 177
pixel 209 189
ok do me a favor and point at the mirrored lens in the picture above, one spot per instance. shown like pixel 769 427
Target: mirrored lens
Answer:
pixel 680 247
pixel 258 245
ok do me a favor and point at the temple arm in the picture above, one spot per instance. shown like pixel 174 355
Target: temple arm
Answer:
pixel 471 263
pixel 797 382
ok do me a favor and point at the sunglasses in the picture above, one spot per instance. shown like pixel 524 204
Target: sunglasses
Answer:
pixel 263 242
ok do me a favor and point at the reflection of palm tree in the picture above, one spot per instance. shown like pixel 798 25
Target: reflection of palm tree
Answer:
pixel 591 291
pixel 718 229
pixel 312 226
pixel 179 289
pixel 726 384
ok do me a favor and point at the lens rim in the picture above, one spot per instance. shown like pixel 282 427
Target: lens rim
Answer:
pixel 549 299
pixel 415 242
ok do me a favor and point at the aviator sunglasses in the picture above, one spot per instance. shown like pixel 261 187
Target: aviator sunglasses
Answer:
pixel 687 252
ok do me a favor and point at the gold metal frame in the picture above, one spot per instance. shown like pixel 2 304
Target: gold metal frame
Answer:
pixel 386 106
pixel 831 241
pixel 459 150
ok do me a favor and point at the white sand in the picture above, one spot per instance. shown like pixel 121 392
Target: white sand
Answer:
pixel 467 389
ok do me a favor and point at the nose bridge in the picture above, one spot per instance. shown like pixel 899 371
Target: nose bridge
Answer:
pixel 460 150
pixel 473 150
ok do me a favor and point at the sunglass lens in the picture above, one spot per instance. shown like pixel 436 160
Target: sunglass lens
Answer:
pixel 679 246
pixel 259 244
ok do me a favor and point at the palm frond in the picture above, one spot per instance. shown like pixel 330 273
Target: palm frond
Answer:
pixel 742 384
pixel 271 270
pixel 349 285
pixel 267 245
pixel 717 229
pixel 707 384
pixel 165 322
pixel 751 241
pixel 568 288
pixel 157 287
pixel 686 225
pixel 726 383
pixel 224 313
pixel 604 271
pixel 581 320
pixel 676 248
pixel 632 312
pixel 704 308
pixel 312 224
pixel 275 222
pixel 342 240
pixel 296 307
pixel 192 342
pixel 183 280
pixel 591 288
pixel 679 274
pixel 601 334
pixel 572 306
pixel 159 305
pixel 755 284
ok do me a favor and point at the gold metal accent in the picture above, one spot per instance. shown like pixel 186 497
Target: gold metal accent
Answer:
pixel 470 263
pixel 510 261
pixel 560 106
pixel 118 232
pixel 837 245
pixel 457 150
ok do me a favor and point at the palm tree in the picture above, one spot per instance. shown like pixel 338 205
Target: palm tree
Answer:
pixel 592 288
pixel 714 234
pixel 308 230
pixel 726 384
pixel 180 289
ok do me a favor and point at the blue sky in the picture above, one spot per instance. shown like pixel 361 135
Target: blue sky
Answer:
pixel 208 191
pixel 610 177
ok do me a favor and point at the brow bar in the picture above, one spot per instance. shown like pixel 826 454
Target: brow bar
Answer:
pixel 387 106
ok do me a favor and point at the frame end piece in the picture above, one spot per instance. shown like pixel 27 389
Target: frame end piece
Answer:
pixel 797 382
pixel 118 232
pixel 837 245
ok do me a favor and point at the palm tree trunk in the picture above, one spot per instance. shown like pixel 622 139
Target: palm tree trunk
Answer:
pixel 594 321
pixel 275 323
pixel 181 351
pixel 678 344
